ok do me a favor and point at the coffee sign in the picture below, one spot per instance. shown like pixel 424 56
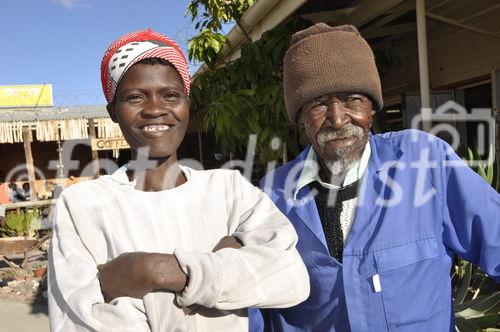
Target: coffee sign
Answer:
pixel 99 144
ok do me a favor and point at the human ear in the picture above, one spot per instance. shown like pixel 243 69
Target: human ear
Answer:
pixel 300 123
pixel 111 111
pixel 299 120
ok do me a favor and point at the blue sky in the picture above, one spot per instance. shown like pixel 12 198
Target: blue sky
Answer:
pixel 62 41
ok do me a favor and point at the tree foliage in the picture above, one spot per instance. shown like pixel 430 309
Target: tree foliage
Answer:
pixel 246 96
pixel 209 16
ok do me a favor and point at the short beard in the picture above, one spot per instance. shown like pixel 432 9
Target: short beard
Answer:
pixel 339 166
pixel 341 159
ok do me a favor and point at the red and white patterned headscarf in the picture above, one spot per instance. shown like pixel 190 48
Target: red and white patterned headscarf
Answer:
pixel 133 47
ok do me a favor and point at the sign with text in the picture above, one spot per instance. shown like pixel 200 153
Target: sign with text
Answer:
pixel 26 95
pixel 99 144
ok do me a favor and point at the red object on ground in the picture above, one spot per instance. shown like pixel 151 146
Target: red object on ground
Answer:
pixel 4 195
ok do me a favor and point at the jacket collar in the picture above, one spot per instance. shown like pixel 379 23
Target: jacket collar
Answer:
pixel 384 154
pixel 310 170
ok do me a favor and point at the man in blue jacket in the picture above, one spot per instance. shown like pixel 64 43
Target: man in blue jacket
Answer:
pixel 379 217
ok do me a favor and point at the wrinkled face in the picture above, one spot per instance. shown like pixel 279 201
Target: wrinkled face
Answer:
pixel 152 109
pixel 337 125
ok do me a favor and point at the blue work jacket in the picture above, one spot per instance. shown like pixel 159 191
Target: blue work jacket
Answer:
pixel 418 205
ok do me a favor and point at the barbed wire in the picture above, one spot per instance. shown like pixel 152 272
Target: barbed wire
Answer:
pixel 78 97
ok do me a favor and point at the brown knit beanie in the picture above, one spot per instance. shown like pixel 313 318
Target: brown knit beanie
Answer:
pixel 323 60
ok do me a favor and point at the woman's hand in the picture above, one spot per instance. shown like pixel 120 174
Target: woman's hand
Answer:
pixel 126 275
pixel 135 274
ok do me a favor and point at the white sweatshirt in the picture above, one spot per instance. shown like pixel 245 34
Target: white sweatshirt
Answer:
pixel 98 220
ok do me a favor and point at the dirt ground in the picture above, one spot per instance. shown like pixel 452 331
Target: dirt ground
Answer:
pixel 23 296
pixel 22 285
pixel 23 317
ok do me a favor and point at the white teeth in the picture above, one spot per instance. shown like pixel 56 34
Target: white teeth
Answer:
pixel 155 128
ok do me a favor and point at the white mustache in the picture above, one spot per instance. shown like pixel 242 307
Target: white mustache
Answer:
pixel 348 131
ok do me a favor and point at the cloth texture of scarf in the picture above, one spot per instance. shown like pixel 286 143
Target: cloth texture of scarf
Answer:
pixel 133 47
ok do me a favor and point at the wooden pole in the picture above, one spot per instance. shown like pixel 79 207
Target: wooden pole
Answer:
pixel 423 66
pixel 200 146
pixel 29 162
pixel 95 156
pixel 285 154
pixel 495 103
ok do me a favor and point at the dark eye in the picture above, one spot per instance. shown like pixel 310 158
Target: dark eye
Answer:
pixel 134 99
pixel 317 108
pixel 172 96
pixel 316 105
pixel 353 101
pixel 354 98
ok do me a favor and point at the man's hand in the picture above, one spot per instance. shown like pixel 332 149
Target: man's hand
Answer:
pixel 135 274
pixel 228 242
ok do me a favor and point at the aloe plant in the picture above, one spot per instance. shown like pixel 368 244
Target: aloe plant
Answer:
pixel 488 170
pixel 475 308
pixel 474 311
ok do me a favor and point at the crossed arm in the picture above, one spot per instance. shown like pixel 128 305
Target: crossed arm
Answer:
pixel 224 279
pixel 135 274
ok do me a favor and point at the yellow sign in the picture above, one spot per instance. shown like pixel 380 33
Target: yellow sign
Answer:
pixel 99 144
pixel 26 95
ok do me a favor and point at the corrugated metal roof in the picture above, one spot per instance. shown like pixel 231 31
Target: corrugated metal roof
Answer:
pixel 52 113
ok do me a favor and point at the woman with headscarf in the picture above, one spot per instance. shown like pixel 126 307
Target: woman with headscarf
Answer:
pixel 159 246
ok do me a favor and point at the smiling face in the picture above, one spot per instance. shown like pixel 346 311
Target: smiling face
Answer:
pixel 337 126
pixel 152 109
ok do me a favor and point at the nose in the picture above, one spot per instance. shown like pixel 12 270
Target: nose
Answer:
pixel 337 115
pixel 154 107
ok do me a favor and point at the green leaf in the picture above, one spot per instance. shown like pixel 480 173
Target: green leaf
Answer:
pixel 253 122
pixel 465 305
pixel 246 92
pixel 464 285
pixel 490 320
pixel 23 223
pixel 470 156
pixel 481 172
pixel 478 308
pixel 463 325
pixel 489 170
pixel 490 165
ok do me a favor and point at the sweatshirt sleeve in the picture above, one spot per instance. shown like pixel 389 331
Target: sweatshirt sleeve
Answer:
pixel 75 299
pixel 267 272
